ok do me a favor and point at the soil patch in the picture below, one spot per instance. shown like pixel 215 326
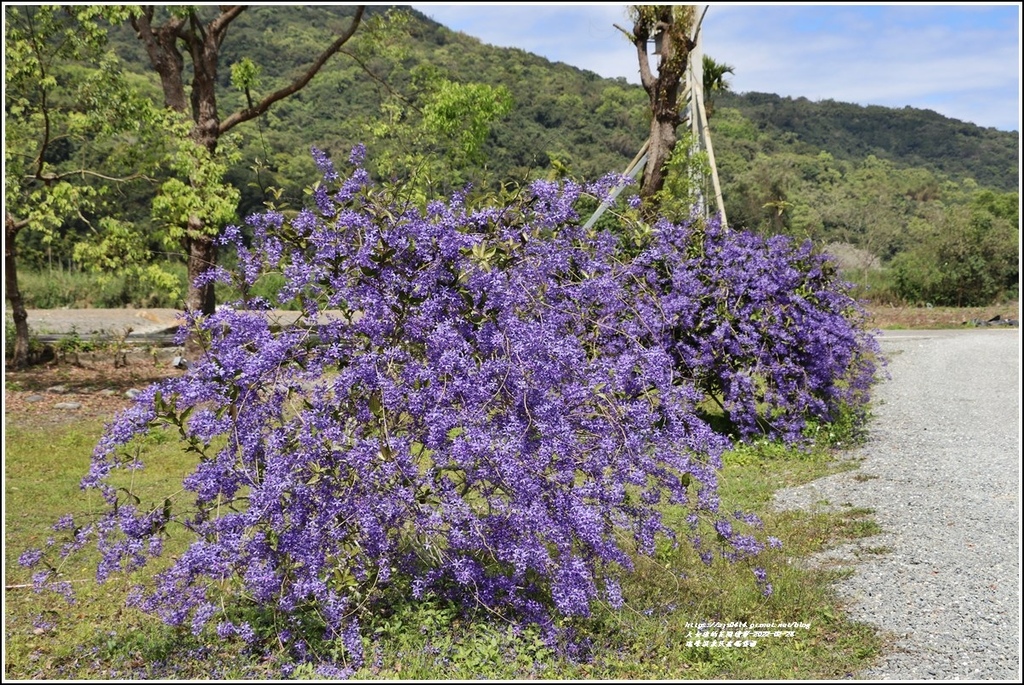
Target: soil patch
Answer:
pixel 63 392
pixel 886 316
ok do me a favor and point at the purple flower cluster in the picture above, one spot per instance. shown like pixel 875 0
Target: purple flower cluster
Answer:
pixel 762 326
pixel 490 404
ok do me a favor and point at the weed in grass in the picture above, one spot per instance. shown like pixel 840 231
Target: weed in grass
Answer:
pixel 881 549
pixel 862 528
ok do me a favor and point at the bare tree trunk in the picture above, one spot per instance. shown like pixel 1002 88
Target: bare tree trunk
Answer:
pixel 202 255
pixel 19 359
pixel 663 141
pixel 204 47
pixel 672 27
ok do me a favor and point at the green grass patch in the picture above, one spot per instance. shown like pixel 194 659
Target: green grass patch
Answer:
pixel 666 597
pixel 78 289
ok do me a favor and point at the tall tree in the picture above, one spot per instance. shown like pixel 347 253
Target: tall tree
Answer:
pixel 71 127
pixel 169 35
pixel 714 81
pixel 671 26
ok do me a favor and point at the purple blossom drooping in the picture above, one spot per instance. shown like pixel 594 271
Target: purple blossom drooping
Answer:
pixel 493 405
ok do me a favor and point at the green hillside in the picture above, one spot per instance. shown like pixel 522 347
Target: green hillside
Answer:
pixel 590 124
pixel 909 188
pixel 907 137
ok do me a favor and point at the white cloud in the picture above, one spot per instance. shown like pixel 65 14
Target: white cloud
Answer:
pixel 963 61
pixel 896 56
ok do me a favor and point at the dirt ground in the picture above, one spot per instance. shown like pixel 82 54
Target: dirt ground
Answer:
pixel 43 395
pixel 886 316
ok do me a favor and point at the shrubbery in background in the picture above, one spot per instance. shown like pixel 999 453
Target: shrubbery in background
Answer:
pixel 969 258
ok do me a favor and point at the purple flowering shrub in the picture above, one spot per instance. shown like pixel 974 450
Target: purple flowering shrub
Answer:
pixel 764 327
pixel 491 405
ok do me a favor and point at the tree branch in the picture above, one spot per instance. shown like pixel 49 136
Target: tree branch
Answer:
pixel 15 225
pixel 647 78
pixel 44 107
pixel 143 26
pixel 163 54
pixel 639 38
pixel 296 85
pixel 227 15
pixel 381 82
pixel 51 178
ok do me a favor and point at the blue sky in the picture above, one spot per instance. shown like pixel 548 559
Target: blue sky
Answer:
pixel 961 60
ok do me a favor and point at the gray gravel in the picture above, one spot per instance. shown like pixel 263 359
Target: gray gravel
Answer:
pixel 941 469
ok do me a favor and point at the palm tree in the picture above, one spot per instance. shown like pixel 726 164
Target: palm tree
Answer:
pixel 714 81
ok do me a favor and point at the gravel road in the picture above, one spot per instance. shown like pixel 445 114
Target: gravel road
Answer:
pixel 941 469
pixel 135 325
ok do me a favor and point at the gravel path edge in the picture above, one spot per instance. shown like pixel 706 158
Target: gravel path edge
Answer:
pixel 941 471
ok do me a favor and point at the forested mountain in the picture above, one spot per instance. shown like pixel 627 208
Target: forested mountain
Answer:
pixel 590 124
pixel 912 190
pixel 907 137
